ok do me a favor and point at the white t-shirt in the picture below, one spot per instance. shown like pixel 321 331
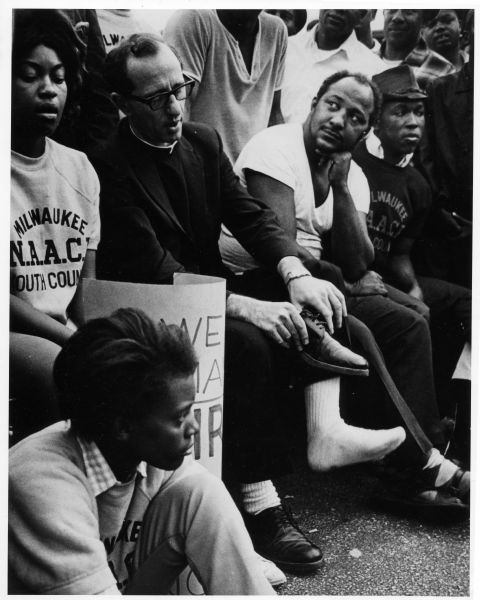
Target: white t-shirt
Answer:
pixel 228 97
pixel 54 220
pixel 279 152
pixel 117 24
pixel 307 66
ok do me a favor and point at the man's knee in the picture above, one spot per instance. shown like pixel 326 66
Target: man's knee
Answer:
pixel 246 347
pixel 422 309
pixel 191 488
pixel 410 323
pixel 32 354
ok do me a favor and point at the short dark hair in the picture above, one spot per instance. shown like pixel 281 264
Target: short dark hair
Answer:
pixel 53 29
pixel 299 18
pixel 139 45
pixel 363 80
pixel 119 366
pixel 428 14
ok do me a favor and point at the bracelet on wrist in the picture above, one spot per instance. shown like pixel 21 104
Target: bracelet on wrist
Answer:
pixel 292 277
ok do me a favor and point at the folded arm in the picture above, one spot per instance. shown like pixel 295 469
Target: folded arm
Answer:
pixel 400 269
pixel 24 318
pixel 351 247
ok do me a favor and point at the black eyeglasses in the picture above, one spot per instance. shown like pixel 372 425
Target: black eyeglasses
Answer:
pixel 158 101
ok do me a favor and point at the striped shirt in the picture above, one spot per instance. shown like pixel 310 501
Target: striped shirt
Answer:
pixel 99 474
pixel 426 64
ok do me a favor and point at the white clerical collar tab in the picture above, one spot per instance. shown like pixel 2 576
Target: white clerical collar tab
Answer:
pixel 168 147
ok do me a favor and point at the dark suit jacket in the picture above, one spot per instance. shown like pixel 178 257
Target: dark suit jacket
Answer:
pixel 450 136
pixel 142 238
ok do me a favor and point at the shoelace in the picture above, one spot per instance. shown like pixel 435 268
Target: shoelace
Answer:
pixel 315 317
pixel 284 516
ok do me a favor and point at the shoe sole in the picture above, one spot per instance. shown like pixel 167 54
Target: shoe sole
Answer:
pixel 318 364
pixel 295 567
pixel 440 513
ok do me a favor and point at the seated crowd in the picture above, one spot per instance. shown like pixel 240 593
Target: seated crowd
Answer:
pixel 327 176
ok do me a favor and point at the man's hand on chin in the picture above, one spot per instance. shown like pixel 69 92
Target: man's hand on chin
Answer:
pixel 338 173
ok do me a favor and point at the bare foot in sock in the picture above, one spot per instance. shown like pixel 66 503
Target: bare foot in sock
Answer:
pixel 341 445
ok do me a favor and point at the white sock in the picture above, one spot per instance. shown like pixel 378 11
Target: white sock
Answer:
pixel 447 468
pixel 333 443
pixel 258 496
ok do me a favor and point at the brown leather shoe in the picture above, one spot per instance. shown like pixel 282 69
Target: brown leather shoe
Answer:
pixel 323 352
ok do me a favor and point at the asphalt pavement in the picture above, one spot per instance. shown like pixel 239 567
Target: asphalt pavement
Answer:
pixel 369 552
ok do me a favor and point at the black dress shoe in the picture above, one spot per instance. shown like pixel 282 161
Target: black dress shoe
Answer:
pixel 276 536
pixel 433 505
pixel 411 492
pixel 324 352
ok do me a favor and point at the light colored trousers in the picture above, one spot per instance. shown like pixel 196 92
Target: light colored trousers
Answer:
pixel 193 521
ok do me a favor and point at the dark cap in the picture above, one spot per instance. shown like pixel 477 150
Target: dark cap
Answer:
pixel 399 83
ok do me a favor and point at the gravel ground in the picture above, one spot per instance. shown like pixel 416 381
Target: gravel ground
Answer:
pixel 368 552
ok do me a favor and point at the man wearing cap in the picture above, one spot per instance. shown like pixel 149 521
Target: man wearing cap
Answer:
pixel 400 201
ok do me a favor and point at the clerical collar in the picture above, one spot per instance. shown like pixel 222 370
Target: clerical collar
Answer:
pixel 159 147
pixel 374 146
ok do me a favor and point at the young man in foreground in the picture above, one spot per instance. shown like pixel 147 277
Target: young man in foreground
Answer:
pixel 113 500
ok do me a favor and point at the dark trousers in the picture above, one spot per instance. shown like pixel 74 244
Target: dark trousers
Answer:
pixel 404 338
pixel 448 309
pixel 451 326
pixel 450 305
pixel 254 441
pixel 445 305
pixel 434 255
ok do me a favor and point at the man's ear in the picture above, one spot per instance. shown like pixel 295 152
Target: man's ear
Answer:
pixel 362 136
pixel 120 102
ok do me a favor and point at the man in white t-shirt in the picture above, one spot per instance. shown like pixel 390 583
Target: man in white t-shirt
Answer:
pixel 314 55
pixel 306 175
pixel 237 58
